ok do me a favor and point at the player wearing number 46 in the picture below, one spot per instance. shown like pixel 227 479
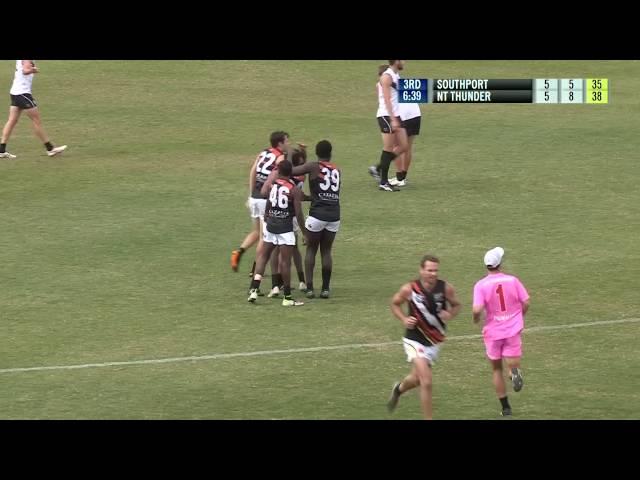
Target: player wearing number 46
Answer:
pixel 505 302
pixel 283 204
pixel 323 221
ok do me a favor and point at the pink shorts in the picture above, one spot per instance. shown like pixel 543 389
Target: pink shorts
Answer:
pixel 505 347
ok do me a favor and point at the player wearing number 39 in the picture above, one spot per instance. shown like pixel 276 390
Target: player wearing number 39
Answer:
pixel 323 222
pixel 505 301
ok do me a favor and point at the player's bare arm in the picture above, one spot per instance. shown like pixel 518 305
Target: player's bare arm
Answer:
pixel 304 169
pixel 386 82
pixel 525 307
pixel 264 191
pixel 452 299
pixel 297 205
pixel 252 176
pixel 477 313
pixel 29 67
pixel 402 296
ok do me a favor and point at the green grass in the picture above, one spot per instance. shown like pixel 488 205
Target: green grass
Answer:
pixel 119 249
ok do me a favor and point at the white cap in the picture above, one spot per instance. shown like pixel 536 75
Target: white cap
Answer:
pixel 493 257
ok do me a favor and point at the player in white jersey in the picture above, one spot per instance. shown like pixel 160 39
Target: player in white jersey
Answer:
pixel 411 118
pixel 394 136
pixel 21 99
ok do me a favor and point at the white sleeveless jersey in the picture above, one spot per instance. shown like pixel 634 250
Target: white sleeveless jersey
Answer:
pixel 382 108
pixel 21 82
pixel 408 111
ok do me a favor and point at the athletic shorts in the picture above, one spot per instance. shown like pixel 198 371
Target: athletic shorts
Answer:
pixel 24 101
pixel 505 347
pixel 257 207
pixel 315 225
pixel 385 124
pixel 412 126
pixel 415 349
pixel 287 238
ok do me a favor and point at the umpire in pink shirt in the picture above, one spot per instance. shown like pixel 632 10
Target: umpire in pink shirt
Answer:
pixel 505 302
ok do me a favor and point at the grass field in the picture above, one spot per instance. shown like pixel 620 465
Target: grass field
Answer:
pixel 118 250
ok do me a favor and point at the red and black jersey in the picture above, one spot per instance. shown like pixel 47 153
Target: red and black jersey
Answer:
pixel 280 209
pixel 429 329
pixel 266 164
pixel 325 193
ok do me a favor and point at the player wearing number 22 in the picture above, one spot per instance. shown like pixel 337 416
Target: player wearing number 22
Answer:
pixel 323 221
pixel 505 300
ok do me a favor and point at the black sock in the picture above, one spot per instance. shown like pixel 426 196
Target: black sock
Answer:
pixel 399 176
pixel 504 401
pixel 397 389
pixel 48 146
pixel 301 276
pixel 3 147
pixel 276 280
pixel 326 278
pixel 404 175
pixel 287 290
pixel 241 250
pixel 255 284
pixel 385 161
pixel 309 286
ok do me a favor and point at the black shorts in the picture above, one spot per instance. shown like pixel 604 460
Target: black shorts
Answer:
pixel 385 124
pixel 412 126
pixel 23 101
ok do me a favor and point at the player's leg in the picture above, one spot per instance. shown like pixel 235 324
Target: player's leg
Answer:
pixel 276 277
pixel 494 353
pixel 297 261
pixel 409 382
pixel 247 243
pixel 326 244
pixel 408 156
pixel 286 250
pixel 423 372
pixel 263 255
pixel 14 116
pixel 388 144
pixel 314 235
pixel 512 354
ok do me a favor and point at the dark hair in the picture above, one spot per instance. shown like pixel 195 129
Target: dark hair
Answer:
pixel 278 137
pixel 323 149
pixel 298 156
pixel 391 62
pixel 381 69
pixel 284 168
pixel 429 258
pixel 493 269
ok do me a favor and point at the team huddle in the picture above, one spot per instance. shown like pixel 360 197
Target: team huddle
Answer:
pixel 425 305
pixel 276 182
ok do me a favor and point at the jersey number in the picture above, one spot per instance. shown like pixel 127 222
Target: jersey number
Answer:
pixel 331 179
pixel 279 197
pixel 500 293
pixel 264 162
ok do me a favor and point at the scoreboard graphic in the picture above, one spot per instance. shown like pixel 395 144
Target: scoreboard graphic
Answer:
pixel 537 90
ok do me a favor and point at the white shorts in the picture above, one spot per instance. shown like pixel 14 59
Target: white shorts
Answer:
pixel 315 225
pixel 287 238
pixel 416 349
pixel 257 207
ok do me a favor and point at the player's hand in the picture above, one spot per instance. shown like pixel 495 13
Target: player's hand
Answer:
pixel 301 145
pixel 395 123
pixel 410 322
pixel 248 203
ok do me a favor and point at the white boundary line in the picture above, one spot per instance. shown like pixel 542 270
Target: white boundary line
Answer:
pixel 219 356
